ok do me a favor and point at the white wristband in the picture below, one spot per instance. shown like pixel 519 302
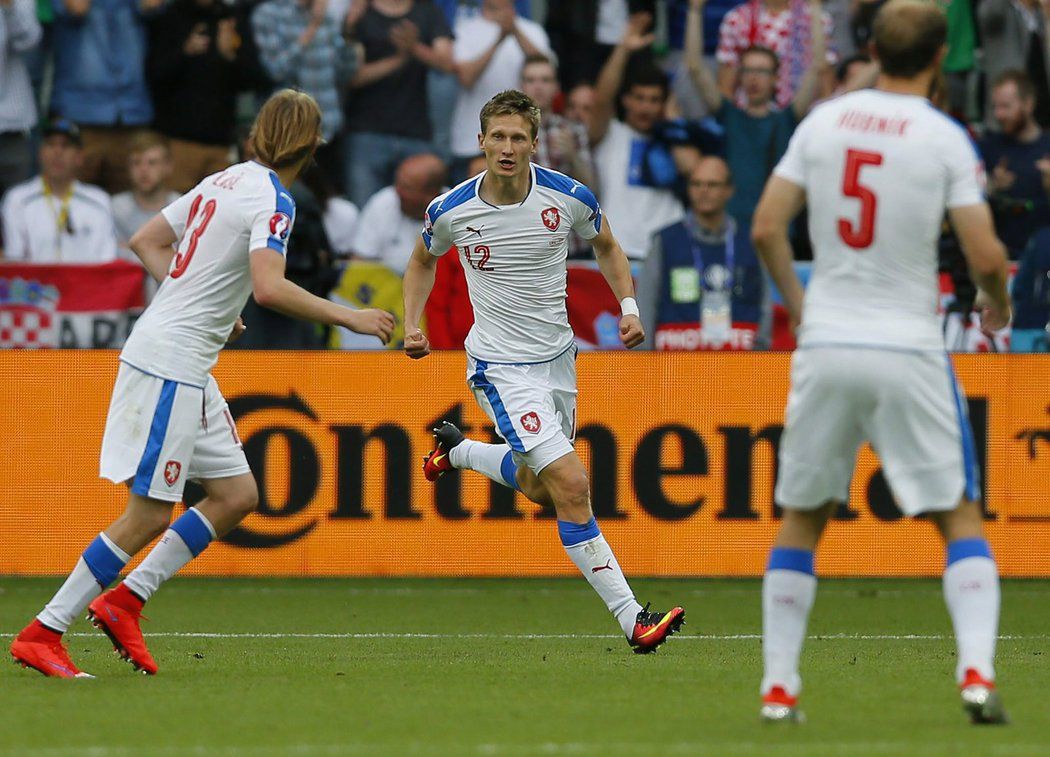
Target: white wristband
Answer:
pixel 628 306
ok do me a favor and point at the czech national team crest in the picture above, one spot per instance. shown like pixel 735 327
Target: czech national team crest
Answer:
pixel 280 225
pixel 530 421
pixel 551 218
pixel 172 470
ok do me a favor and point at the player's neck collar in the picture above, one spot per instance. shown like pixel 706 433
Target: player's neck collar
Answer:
pixel 528 191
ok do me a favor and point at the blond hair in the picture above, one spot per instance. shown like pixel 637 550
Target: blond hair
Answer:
pixel 147 140
pixel 511 103
pixel 287 130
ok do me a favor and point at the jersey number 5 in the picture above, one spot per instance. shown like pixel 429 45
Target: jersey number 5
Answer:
pixel 182 260
pixel 859 237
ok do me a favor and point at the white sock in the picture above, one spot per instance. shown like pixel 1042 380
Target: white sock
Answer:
pixel 185 539
pixel 96 569
pixel 494 461
pixel 971 591
pixel 788 591
pixel 590 552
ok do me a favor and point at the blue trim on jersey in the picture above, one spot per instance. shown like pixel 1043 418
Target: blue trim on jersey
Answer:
pixel 559 182
pixel 503 422
pixel 193 531
pixel 509 470
pixel 960 549
pixel 790 558
pixel 105 564
pixel 463 193
pixel 283 203
pixel 969 448
pixel 575 533
pixel 157 431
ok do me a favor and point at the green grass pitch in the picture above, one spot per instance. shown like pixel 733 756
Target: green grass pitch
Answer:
pixel 517 667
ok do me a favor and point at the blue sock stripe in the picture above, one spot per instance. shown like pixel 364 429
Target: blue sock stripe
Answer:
pixel 157 431
pixel 789 558
pixel 190 526
pixel 573 533
pixel 105 564
pixel 509 470
pixel 960 549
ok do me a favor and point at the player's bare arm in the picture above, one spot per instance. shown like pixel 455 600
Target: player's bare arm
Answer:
pixel 986 257
pixel 417 284
pixel 153 244
pixel 781 202
pixel 616 269
pixel 272 290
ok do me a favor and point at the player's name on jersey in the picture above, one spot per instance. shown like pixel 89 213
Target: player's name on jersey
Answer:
pixel 856 120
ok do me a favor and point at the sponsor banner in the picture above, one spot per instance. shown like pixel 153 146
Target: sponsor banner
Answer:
pixel 63 305
pixel 681 449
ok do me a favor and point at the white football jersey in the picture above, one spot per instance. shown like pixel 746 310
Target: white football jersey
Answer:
pixel 879 170
pixel 218 223
pixel 514 259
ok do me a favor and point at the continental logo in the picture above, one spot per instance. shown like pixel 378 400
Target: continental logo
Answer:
pixel 649 472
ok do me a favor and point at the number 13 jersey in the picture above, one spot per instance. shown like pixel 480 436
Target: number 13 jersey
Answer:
pixel 514 260
pixel 879 170
pixel 218 223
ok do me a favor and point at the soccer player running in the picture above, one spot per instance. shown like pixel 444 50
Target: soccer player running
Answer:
pixel 167 420
pixel 877 169
pixel 511 224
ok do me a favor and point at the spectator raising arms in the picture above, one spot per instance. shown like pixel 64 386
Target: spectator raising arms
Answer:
pixel 302 48
pixel 201 54
pixel 782 26
pixel 100 81
pixel 388 114
pixel 562 143
pixel 53 218
pixel 1012 158
pixel 19 33
pixel 635 175
pixel 489 52
pixel 757 134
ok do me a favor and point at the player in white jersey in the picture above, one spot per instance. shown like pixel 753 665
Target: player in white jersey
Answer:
pixel 511 225
pixel 877 170
pixel 167 421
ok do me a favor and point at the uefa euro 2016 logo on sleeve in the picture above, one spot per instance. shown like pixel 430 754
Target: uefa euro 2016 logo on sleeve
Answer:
pixel 28 314
pixel 280 225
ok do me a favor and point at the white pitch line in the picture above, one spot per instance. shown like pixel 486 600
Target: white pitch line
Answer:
pixel 551 636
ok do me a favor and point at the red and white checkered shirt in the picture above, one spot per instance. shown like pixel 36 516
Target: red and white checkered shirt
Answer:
pixel 786 33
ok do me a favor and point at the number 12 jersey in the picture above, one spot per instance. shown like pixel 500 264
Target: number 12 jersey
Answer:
pixel 218 223
pixel 879 170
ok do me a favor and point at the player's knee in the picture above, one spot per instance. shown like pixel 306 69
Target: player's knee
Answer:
pixel 574 492
pixel 246 501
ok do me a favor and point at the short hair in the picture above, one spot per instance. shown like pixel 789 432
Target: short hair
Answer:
pixel 539 58
pixel 648 76
pixel 1021 80
pixel 287 130
pixel 511 102
pixel 763 50
pixel 147 140
pixel 908 36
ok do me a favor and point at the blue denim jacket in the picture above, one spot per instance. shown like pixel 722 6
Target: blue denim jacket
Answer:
pixel 100 77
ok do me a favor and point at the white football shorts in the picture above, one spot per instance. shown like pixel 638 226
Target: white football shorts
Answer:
pixel 532 405
pixel 908 405
pixel 159 433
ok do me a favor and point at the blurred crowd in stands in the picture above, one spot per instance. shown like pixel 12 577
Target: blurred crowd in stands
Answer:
pixel 674 111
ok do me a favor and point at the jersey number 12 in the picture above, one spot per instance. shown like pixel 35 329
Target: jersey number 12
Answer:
pixel 182 260
pixel 859 237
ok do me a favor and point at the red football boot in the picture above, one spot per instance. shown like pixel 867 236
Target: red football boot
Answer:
pixel 436 464
pixel 116 613
pixel 778 706
pixel 40 648
pixel 981 700
pixel 651 629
